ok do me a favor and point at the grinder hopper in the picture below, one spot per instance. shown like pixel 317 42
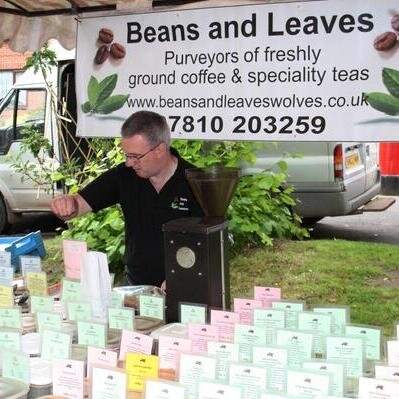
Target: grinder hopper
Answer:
pixel 196 265
pixel 213 188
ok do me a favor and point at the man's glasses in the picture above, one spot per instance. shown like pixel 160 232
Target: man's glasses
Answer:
pixel 137 157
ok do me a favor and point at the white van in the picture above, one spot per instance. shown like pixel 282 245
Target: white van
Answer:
pixel 28 104
pixel 329 178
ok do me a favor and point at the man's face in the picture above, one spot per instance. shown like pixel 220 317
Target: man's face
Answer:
pixel 140 156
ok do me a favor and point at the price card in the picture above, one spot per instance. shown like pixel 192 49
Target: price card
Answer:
pixel 108 383
pixel 121 318
pixel 200 334
pixel 213 390
pixel 169 349
pixel 10 339
pixel 68 378
pixel 275 360
pixel 15 365
pixel 194 368
pixel 5 259
pixel 56 345
pixel 336 371
pixel 224 353
pixel 319 324
pixel 152 306
pixel 132 341
pixel 70 290
pixel 79 311
pixel 244 308
pixel 41 304
pixel 348 350
pixel 30 264
pixel 117 299
pixel 373 388
pixel 299 345
pixel 251 379
pixel 6 275
pixel 157 389
pixel 6 296
pixel 248 336
pixel 340 317
pixel 309 384
pixel 226 321
pixel 73 251
pixel 371 334
pixel 271 319
pixel 36 282
pixel 393 352
pixel 267 295
pixel 192 313
pixel 11 317
pixel 100 357
pixel 47 320
pixel 385 372
pixel 291 311
pixel 91 333
pixel 139 367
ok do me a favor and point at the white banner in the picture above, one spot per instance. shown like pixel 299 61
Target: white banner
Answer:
pixel 306 71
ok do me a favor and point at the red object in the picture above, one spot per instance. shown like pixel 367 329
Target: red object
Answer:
pixel 338 162
pixel 389 158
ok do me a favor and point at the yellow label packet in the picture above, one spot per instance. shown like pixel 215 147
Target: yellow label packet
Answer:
pixel 6 296
pixel 138 368
pixel 36 282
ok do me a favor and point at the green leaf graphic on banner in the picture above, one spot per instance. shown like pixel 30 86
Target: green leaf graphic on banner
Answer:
pixel 390 77
pixel 112 103
pixel 93 91
pixel 106 87
pixel 99 96
pixel 383 102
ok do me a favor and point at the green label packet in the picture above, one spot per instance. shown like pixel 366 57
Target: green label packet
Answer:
pixel 192 313
pixel 121 318
pixel 11 317
pixel 271 319
pixel 79 311
pixel 48 320
pixel 319 324
pixel 41 304
pixel 299 345
pixel 348 350
pixel 56 345
pixel 70 290
pixel 340 317
pixel 16 365
pixel 247 336
pixel 337 374
pixel 91 333
pixel 371 334
pixel 291 311
pixel 10 339
pixel 152 306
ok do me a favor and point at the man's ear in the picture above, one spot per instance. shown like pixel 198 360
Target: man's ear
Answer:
pixel 162 149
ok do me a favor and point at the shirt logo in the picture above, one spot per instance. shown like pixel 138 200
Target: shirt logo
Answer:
pixel 180 204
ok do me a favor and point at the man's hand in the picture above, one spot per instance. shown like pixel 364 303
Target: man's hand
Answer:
pixel 163 287
pixel 69 206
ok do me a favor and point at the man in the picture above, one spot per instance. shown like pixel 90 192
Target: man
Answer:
pixel 150 187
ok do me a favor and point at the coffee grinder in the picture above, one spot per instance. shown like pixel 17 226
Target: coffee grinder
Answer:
pixel 196 264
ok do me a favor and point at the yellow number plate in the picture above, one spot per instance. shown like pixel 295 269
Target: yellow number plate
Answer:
pixel 352 160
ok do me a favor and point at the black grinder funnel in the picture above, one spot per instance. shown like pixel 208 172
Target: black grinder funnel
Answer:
pixel 213 188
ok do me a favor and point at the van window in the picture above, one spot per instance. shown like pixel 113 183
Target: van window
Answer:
pixel 24 108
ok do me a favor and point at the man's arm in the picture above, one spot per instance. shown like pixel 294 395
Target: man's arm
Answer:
pixel 69 206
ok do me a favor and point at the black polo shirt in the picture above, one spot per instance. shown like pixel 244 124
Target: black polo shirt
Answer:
pixel 144 211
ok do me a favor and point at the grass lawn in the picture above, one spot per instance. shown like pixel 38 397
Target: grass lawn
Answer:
pixel 363 275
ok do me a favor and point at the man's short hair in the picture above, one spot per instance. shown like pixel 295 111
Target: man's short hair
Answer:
pixel 151 125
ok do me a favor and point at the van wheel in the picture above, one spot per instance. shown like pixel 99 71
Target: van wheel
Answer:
pixel 4 225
